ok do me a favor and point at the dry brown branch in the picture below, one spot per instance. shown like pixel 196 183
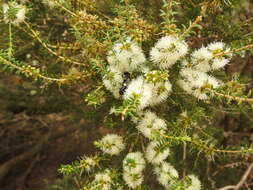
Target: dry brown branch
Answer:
pixel 22 179
pixel 7 166
pixel 241 182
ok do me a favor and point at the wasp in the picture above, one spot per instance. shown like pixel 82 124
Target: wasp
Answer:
pixel 127 78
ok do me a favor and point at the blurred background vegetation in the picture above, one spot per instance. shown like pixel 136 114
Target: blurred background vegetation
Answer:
pixel 45 124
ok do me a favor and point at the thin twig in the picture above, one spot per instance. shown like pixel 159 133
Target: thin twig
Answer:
pixel 9 63
pixel 184 158
pixel 234 51
pixel 205 146
pixel 65 9
pixel 36 36
pixel 192 25
pixel 227 187
pixel 244 177
pixel 10 48
pixel 240 99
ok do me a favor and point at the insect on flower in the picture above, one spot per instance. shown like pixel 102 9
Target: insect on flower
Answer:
pixel 127 78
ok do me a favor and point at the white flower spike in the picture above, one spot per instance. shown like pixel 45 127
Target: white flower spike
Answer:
pixel 167 51
pixel 134 163
pixel 141 90
pixel 126 56
pixel 133 180
pixel 14 13
pixel 155 155
pixel 151 126
pixel 166 173
pixel 195 183
pixel 111 144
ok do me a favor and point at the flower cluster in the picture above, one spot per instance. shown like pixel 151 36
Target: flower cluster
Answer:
pixel 103 180
pixel 211 57
pixel 14 13
pixel 166 174
pixel 149 87
pixel 111 144
pixel 141 90
pixel 161 87
pixel 195 82
pixel 194 184
pixel 167 51
pixel 126 56
pixel 194 77
pixel 49 3
pixel 133 165
pixel 88 163
pixel 155 154
pixel 151 126
pixel 152 87
pixel 113 81
pixel 130 76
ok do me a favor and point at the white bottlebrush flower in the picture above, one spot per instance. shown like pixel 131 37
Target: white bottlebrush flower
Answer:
pixel 195 183
pixel 165 173
pixel 194 82
pixel 113 81
pixel 133 180
pixel 126 56
pixel 103 180
pixel 145 69
pixel 120 187
pixel 160 84
pixel 151 126
pixel 218 63
pixel 205 59
pixel 141 90
pixel 198 78
pixel 89 163
pixel 216 47
pixel 14 13
pixel 202 54
pixel 167 51
pixel 161 92
pixel 49 3
pixel 219 48
pixel 201 58
pixel 155 154
pixel 133 162
pixel 186 86
pixel 111 144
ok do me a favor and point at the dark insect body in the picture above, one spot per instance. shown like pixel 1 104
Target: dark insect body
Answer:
pixel 127 78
